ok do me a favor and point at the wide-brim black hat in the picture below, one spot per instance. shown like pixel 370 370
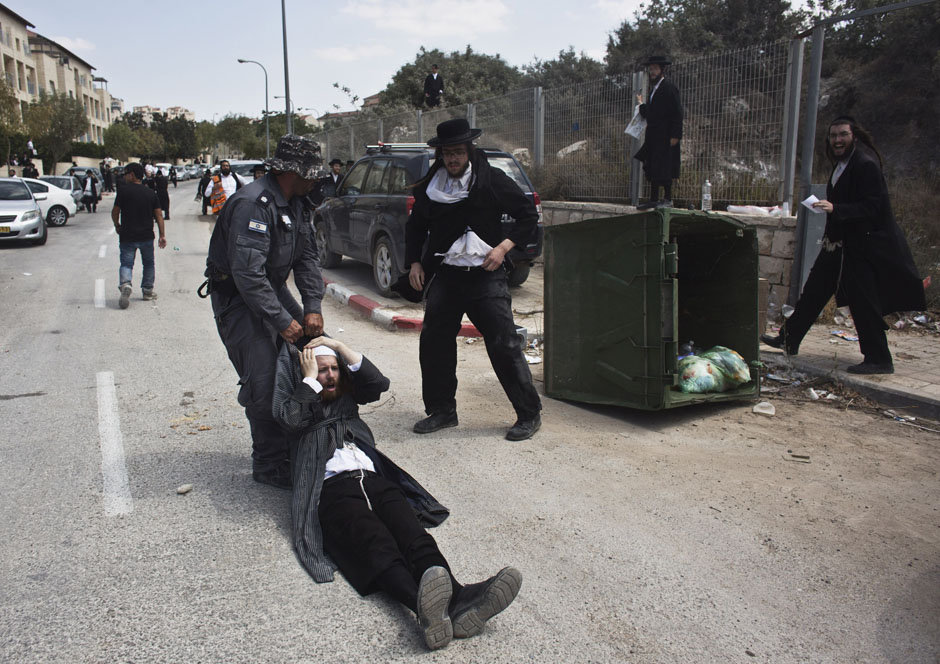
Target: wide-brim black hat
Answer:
pixel 660 60
pixel 454 131
pixel 336 161
pixel 297 154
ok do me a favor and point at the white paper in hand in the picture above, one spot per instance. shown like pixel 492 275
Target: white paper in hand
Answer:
pixel 809 204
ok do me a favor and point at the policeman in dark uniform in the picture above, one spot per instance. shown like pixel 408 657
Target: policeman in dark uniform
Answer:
pixel 264 233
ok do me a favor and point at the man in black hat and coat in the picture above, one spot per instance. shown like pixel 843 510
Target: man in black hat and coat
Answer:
pixel 458 211
pixel 864 260
pixel 263 234
pixel 660 151
pixel 433 88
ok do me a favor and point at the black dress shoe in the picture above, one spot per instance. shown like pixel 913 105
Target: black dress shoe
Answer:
pixel 434 594
pixel 779 341
pixel 649 205
pixel 436 422
pixel 524 429
pixel 476 603
pixel 867 368
pixel 278 477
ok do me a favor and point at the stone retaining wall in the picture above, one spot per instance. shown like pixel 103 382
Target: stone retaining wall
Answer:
pixel 776 236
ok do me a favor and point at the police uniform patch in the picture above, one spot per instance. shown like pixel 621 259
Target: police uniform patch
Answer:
pixel 257 226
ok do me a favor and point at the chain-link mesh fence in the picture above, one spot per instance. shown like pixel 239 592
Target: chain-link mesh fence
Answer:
pixel 572 138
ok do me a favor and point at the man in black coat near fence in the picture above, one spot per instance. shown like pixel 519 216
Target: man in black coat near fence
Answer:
pixel 660 151
pixel 864 260
pixel 433 88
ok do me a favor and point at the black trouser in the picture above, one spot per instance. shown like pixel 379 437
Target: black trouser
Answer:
pixel 855 286
pixel 252 349
pixel 164 198
pixel 484 297
pixel 379 548
pixel 667 190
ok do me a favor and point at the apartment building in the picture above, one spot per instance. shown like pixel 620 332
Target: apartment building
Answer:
pixel 62 72
pixel 19 69
pixel 173 112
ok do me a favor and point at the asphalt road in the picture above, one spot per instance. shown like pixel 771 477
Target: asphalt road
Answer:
pixel 642 537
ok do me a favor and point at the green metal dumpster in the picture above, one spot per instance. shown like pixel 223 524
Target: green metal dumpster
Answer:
pixel 622 294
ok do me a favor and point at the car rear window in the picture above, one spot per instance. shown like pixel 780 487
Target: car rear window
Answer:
pixel 509 167
pixel 62 183
pixel 14 191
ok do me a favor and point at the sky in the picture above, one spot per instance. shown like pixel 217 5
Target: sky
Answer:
pixel 171 53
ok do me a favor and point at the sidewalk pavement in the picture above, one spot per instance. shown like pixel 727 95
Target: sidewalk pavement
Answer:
pixel 915 385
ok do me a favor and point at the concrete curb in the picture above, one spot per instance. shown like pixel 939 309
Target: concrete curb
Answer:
pixel 384 317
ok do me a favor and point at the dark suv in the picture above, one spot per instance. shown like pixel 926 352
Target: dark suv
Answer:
pixel 365 218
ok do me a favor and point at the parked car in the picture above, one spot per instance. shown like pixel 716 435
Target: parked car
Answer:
pixel 81 171
pixel 57 206
pixel 365 219
pixel 68 182
pixel 20 216
pixel 242 168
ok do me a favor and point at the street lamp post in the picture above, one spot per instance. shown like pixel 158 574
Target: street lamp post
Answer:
pixel 267 126
pixel 290 123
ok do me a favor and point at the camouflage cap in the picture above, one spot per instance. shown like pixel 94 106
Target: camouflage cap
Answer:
pixel 297 154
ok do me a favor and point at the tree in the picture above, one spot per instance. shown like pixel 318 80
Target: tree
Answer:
pixel 568 68
pixel 205 135
pixel 179 135
pixel 9 116
pixel 54 121
pixel 120 141
pixel 468 77
pixel 133 120
pixel 150 144
pixel 690 28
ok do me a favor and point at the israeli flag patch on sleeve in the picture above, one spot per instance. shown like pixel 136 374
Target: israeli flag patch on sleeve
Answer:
pixel 257 226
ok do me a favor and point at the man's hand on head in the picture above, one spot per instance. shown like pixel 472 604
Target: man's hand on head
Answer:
pixel 308 363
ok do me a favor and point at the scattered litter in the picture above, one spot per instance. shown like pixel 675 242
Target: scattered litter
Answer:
pixel 798 458
pixel 184 489
pixel 833 397
pixel 27 274
pixel 176 248
pixel 843 334
pixel 716 370
pixel 812 394
pixel 470 340
pixel 778 378
pixel 769 390
pixel 787 310
pixel 339 329
pixel 921 320
pixel 835 342
pixel 894 415
pixel 900 324
pixel 765 408
pixel 533 359
pixel 203 427
pixel 838 320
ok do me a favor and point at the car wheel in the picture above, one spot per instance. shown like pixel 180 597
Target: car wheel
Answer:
pixel 384 270
pixel 328 259
pixel 43 236
pixel 519 273
pixel 58 216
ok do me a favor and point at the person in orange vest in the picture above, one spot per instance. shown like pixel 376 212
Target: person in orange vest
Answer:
pixel 222 186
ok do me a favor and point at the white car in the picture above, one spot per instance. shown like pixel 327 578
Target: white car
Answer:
pixel 57 204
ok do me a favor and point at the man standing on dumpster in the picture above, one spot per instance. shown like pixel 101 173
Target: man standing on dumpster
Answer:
pixel 458 210
pixel 864 261
pixel 660 151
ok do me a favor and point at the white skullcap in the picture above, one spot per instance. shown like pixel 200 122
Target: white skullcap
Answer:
pixel 325 351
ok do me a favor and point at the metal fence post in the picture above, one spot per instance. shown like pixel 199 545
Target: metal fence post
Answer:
pixel 791 120
pixel 636 174
pixel 538 145
pixel 352 142
pixel 420 118
pixel 801 262
pixel 329 149
pixel 381 131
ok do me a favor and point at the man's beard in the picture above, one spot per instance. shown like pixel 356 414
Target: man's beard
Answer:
pixel 329 397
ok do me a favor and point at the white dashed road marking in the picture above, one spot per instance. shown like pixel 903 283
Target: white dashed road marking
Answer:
pixel 99 294
pixel 116 490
